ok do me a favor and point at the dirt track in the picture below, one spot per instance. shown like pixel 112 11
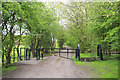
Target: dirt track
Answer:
pixel 51 67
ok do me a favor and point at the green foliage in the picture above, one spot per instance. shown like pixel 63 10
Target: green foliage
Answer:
pixel 61 37
pixel 89 24
pixel 36 20
pixel 106 24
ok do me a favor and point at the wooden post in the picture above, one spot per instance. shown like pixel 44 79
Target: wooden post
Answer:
pixel 109 49
pixel 36 53
pixel 18 57
pixel 29 54
pixel 98 50
pixel 59 52
pixel 79 54
pixel 76 53
pixel 67 53
pixel 26 53
pixel 39 52
pixel 13 55
pixel 101 56
pixel 49 51
pixel 20 54
pixel 42 53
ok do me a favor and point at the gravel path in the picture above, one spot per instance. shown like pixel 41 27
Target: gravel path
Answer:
pixel 50 67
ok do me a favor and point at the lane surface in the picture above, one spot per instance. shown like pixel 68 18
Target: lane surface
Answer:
pixel 51 67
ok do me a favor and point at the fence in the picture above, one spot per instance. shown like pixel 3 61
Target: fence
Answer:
pixel 26 54
pixel 22 54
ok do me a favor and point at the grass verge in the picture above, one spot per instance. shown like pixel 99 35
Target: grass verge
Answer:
pixel 102 69
pixel 5 71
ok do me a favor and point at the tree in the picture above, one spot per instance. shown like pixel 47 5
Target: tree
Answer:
pixel 30 18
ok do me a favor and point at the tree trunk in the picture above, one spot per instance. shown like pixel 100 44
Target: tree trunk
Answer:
pixel 9 49
pixel 3 58
pixel 33 48
pixel 18 50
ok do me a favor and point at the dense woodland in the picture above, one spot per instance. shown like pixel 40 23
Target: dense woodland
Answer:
pixel 35 24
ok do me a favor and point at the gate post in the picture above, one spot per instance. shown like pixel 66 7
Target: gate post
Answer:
pixel 42 53
pixel 29 54
pixel 101 56
pixel 78 52
pixel 26 53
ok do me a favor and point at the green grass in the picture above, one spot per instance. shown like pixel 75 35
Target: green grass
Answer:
pixel 8 70
pixel 106 69
pixel 87 55
pixel 44 55
pixel 103 69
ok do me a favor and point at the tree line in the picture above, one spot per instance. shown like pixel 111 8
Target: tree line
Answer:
pixel 92 23
pixel 72 23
